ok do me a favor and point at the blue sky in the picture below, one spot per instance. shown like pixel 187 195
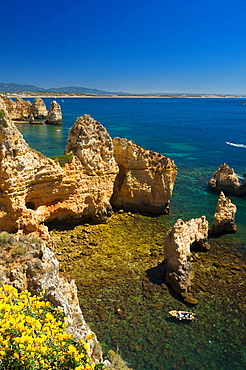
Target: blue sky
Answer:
pixel 185 46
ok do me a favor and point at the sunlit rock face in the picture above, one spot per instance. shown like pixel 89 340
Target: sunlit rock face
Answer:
pixel 178 245
pixel 54 115
pixel 18 109
pixel 35 189
pixel 226 180
pixel 145 180
pixel 21 109
pixel 224 217
pixel 90 142
pixel 38 108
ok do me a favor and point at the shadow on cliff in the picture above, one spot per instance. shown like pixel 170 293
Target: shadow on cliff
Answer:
pixel 68 225
pixel 157 276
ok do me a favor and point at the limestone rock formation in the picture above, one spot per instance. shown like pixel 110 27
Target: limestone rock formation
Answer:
pixel 35 189
pixel 145 180
pixel 90 142
pixel 18 110
pixel 224 217
pixel 178 244
pixel 31 118
pixel 36 269
pixel 38 109
pixel 226 180
pixel 54 115
pixel 21 109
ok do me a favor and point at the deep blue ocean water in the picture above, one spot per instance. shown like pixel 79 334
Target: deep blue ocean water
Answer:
pixel 193 132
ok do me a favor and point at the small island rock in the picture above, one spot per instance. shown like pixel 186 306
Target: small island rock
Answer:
pixel 224 217
pixel 178 243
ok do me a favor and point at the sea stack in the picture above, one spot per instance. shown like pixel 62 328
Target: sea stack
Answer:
pixel 145 180
pixel 226 180
pixel 54 116
pixel 178 244
pixel 224 217
pixel 38 109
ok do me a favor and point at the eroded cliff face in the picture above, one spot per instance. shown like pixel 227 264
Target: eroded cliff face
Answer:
pixel 226 180
pixel 90 142
pixel 35 189
pixel 38 108
pixel 27 263
pixel 178 245
pixel 21 109
pixel 145 180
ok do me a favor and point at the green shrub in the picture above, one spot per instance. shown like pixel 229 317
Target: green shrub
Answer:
pixel 3 121
pixel 19 249
pixel 116 361
pixel 6 239
pixel 63 159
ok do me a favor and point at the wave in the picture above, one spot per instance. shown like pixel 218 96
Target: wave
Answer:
pixel 237 145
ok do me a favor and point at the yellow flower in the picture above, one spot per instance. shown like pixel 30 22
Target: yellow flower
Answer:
pixel 90 336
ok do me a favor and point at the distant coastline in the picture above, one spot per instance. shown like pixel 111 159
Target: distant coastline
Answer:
pixel 50 96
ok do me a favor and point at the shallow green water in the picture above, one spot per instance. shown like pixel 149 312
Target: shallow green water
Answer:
pixel 119 273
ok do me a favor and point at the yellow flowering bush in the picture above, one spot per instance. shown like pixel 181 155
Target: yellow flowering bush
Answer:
pixel 33 336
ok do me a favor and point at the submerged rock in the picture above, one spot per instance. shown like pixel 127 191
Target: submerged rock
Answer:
pixel 178 243
pixel 145 180
pixel 224 217
pixel 226 180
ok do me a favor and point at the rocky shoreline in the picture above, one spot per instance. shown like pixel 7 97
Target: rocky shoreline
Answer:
pixel 122 262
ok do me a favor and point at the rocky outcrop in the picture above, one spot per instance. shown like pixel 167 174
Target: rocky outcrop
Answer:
pixel 35 189
pixel 18 110
pixel 90 142
pixel 27 263
pixel 38 109
pixel 178 245
pixel 21 109
pixel 54 116
pixel 226 180
pixel 224 217
pixel 145 180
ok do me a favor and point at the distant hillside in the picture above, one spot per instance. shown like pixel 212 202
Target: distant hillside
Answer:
pixel 78 90
pixel 15 88
pixel 11 87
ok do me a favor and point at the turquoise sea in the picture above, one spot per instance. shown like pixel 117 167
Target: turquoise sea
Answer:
pixel 193 132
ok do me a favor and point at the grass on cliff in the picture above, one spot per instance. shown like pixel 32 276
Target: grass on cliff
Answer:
pixel 63 159
pixel 18 247
pixel 3 121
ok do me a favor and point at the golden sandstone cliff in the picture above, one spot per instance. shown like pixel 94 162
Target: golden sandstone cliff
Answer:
pixel 35 189
pixel 23 110
pixel 145 180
